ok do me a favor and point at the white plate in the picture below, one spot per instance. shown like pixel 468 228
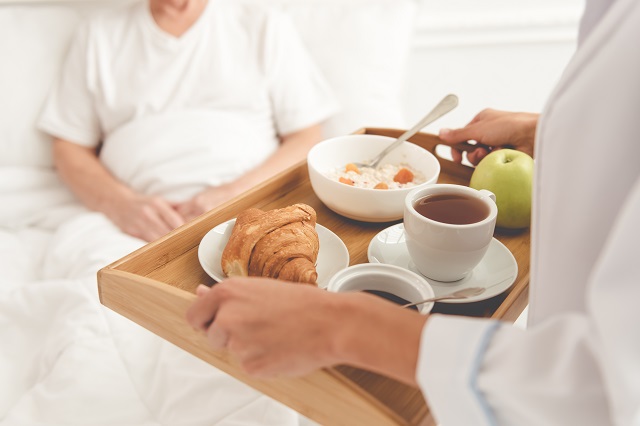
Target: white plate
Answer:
pixel 496 272
pixel 332 255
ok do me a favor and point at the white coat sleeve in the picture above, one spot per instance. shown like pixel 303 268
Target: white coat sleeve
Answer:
pixel 571 369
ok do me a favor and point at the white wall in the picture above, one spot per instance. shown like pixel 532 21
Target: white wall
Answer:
pixel 504 54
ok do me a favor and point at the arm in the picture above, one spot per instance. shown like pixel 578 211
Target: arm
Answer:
pixel 140 216
pixel 329 328
pixel 70 115
pixel 493 129
pixel 293 148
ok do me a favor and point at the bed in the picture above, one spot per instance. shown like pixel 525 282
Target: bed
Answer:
pixel 64 358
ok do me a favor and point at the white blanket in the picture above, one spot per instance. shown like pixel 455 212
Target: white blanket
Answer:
pixel 33 196
pixel 67 360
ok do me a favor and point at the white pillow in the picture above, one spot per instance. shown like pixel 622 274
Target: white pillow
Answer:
pixel 33 44
pixel 360 45
pixel 30 62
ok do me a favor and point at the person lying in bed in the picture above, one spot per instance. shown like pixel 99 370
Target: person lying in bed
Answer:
pixel 168 108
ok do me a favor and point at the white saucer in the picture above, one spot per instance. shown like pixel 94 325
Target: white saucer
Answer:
pixel 332 255
pixel 496 272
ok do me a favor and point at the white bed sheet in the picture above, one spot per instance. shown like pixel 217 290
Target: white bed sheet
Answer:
pixel 67 360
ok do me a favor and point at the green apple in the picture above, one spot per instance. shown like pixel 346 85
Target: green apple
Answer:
pixel 509 175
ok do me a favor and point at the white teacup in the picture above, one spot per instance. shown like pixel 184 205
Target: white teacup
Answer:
pixel 445 251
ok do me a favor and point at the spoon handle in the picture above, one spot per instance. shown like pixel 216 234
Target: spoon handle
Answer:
pixel 433 299
pixel 460 294
pixel 448 103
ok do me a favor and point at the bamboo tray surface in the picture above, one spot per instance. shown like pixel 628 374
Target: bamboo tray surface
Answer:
pixel 155 285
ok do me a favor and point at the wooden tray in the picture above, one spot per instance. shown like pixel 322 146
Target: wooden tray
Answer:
pixel 155 285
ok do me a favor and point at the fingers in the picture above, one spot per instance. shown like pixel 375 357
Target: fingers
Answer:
pixel 169 216
pixel 454 136
pixel 190 209
pixel 477 155
pixel 201 290
pixel 191 214
pixel 203 311
pixel 151 225
pixel 475 152
pixel 456 155
pixel 218 337
pixel 151 218
pixel 182 209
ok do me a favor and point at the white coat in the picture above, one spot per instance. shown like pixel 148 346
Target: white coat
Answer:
pixel 578 362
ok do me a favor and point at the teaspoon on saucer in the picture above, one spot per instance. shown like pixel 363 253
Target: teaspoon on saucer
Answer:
pixel 460 294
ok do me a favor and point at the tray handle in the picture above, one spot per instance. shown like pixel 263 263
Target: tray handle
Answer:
pixel 429 142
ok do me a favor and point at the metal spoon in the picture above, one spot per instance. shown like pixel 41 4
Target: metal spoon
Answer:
pixel 448 103
pixel 460 294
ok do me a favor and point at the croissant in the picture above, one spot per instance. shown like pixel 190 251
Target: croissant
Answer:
pixel 281 243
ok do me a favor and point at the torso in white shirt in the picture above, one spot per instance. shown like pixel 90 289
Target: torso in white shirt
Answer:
pixel 226 90
pixel 216 65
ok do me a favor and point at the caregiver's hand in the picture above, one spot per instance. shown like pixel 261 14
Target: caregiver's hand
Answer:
pixel 144 217
pixel 493 129
pixel 281 329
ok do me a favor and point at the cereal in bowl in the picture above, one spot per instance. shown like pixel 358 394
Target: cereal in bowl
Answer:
pixel 387 176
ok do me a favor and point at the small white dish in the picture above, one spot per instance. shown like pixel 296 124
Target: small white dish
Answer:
pixel 496 272
pixel 332 255
pixel 379 277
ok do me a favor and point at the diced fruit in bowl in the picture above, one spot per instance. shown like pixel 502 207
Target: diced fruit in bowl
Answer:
pixel 404 176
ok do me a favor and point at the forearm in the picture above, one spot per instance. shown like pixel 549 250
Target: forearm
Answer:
pixel 378 336
pixel 80 168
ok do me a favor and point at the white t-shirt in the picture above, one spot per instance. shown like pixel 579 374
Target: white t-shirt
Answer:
pixel 578 362
pixel 242 66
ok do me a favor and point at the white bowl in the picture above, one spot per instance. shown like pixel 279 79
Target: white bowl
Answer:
pixel 368 205
pixel 383 277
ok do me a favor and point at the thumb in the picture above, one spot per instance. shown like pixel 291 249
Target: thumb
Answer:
pixel 454 136
pixel 202 289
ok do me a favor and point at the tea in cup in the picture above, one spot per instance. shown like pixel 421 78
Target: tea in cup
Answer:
pixel 448 229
